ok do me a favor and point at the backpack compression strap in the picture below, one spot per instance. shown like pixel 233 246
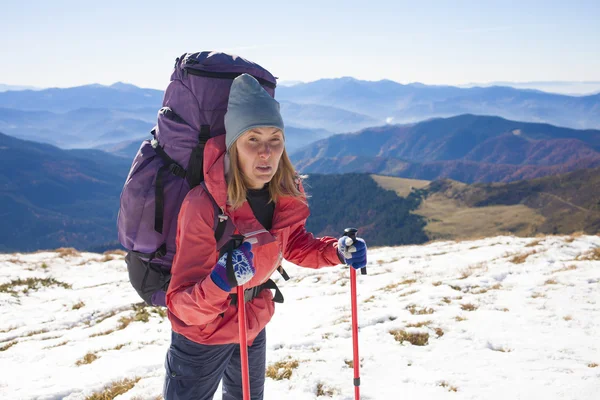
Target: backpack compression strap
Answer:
pixel 194 173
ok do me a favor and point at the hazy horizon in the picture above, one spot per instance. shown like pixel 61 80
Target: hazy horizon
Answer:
pixel 574 88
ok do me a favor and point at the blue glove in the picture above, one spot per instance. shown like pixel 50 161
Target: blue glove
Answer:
pixel 242 266
pixel 355 255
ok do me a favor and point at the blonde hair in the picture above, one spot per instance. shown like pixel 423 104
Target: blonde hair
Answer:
pixel 285 182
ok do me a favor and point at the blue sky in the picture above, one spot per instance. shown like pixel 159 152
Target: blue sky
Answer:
pixel 67 43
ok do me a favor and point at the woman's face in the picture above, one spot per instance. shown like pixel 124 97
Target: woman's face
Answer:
pixel 259 151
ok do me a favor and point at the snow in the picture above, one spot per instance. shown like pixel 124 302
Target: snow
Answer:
pixel 532 334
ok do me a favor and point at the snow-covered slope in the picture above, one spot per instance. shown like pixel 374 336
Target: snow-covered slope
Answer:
pixel 499 318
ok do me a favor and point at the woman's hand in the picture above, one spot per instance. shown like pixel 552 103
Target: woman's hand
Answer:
pixel 242 266
pixel 354 255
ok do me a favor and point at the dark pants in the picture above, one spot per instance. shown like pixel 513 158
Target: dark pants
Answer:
pixel 194 370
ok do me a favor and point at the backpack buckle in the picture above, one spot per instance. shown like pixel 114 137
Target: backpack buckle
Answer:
pixel 177 170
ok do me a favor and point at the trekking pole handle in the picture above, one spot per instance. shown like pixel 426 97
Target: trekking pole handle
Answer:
pixel 235 242
pixel 350 234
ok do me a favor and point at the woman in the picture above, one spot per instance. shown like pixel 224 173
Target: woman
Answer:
pixel 251 179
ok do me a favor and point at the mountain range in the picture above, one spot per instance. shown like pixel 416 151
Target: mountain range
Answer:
pixel 97 115
pixel 52 197
pixel 390 101
pixel 558 204
pixel 466 148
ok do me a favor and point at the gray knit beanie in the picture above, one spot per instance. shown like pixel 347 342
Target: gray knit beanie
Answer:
pixel 250 106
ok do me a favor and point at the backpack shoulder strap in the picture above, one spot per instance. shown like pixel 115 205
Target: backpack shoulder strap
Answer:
pixel 221 220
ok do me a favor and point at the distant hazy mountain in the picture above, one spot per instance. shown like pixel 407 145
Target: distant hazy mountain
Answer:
pixel 562 87
pixel 466 148
pixel 315 116
pixel 116 96
pixel 4 88
pixel 392 101
pixel 54 198
pixel 335 105
pixel 83 127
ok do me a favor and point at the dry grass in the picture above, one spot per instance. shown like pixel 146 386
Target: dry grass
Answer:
pixel 520 258
pixel 447 300
pixel 10 328
pixel 465 273
pixel 393 286
pixel 414 338
pixel 56 345
pixel 78 305
pixel 536 295
pixel 39 331
pixel 120 346
pixel 567 318
pixel 67 252
pixel 369 300
pixel 8 345
pixel 105 316
pixel 401 186
pixel 566 268
pixel 419 311
pixel 468 307
pixel 592 365
pixel 408 293
pixel 87 359
pixel 439 332
pixel 449 218
pixel 114 389
pixel 282 369
pixel 119 253
pixel 534 243
pixel 574 236
pixel 341 320
pixel 323 390
pixel 142 314
pixel 438 283
pixel 459 318
pixel 592 255
pixel 455 287
pixel 497 286
pixel 30 284
pixel 419 324
pixel 550 282
pixel 446 385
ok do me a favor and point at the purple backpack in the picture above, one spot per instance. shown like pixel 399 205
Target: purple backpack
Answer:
pixel 169 165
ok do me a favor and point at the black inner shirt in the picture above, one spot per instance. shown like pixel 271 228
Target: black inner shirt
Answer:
pixel 259 203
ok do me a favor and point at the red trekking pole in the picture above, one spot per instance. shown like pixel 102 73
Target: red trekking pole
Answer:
pixel 350 233
pixel 243 342
pixel 243 331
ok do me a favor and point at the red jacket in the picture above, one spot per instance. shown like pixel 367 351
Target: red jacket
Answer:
pixel 194 302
